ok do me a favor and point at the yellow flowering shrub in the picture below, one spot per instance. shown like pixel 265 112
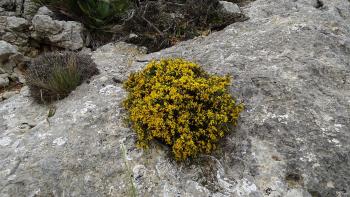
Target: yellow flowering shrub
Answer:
pixel 179 104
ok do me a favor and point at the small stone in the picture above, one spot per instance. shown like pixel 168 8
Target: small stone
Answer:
pixel 8 67
pixel 21 79
pixel 9 94
pixel 24 91
pixel 103 79
pixel 17 75
pixel 19 59
pixel 6 49
pixel 132 35
pixel 14 77
pixel 16 23
pixel 4 80
pixel 229 7
pixel 65 34
pixel 44 11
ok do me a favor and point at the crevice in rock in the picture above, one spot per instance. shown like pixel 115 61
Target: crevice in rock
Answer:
pixel 319 4
pixel 10 6
pixel 294 179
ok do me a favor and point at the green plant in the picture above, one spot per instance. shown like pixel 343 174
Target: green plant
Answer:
pixel 101 13
pixel 132 190
pixel 176 102
pixel 53 76
pixel 95 14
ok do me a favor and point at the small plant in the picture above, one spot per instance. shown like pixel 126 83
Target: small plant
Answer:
pixel 176 102
pixel 53 76
pixel 94 14
pixel 132 189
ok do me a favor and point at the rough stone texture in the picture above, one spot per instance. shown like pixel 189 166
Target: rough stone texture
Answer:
pixel 9 94
pixel 21 8
pixel 4 80
pixel 229 7
pixel 14 30
pixel 44 11
pixel 65 34
pixel 291 65
pixel 16 23
pixel 28 9
pixel 6 50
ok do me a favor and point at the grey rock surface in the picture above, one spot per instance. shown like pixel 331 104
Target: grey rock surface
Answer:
pixel 4 80
pixel 16 23
pixel 229 7
pixel 44 11
pixel 65 34
pixel 291 67
pixel 9 94
pixel 20 8
pixel 6 50
pixel 14 30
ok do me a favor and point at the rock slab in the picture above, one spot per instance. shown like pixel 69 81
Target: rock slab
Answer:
pixel 291 67
pixel 65 34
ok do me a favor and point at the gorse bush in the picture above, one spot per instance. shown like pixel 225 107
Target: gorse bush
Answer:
pixel 176 102
pixel 53 76
pixel 94 14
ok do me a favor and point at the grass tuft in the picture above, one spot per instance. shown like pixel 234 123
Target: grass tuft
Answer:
pixel 53 76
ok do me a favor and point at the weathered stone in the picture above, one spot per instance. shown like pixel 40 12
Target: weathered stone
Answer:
pixel 8 67
pixel 18 39
pixel 17 75
pixel 65 34
pixel 45 11
pixel 290 64
pixel 9 94
pixel 4 80
pixel 229 7
pixel 29 8
pixel 20 8
pixel 44 25
pixel 16 23
pixel 6 49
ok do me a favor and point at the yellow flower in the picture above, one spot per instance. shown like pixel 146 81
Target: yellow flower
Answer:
pixel 179 104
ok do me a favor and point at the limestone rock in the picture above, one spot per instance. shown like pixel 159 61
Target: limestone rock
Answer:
pixel 19 8
pixel 14 30
pixel 290 64
pixel 16 23
pixel 9 94
pixel 4 80
pixel 229 7
pixel 44 11
pixel 65 34
pixel 6 49
pixel 28 9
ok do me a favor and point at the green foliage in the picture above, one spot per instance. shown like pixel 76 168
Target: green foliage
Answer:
pixel 95 14
pixel 53 76
pixel 176 102
pixel 101 13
